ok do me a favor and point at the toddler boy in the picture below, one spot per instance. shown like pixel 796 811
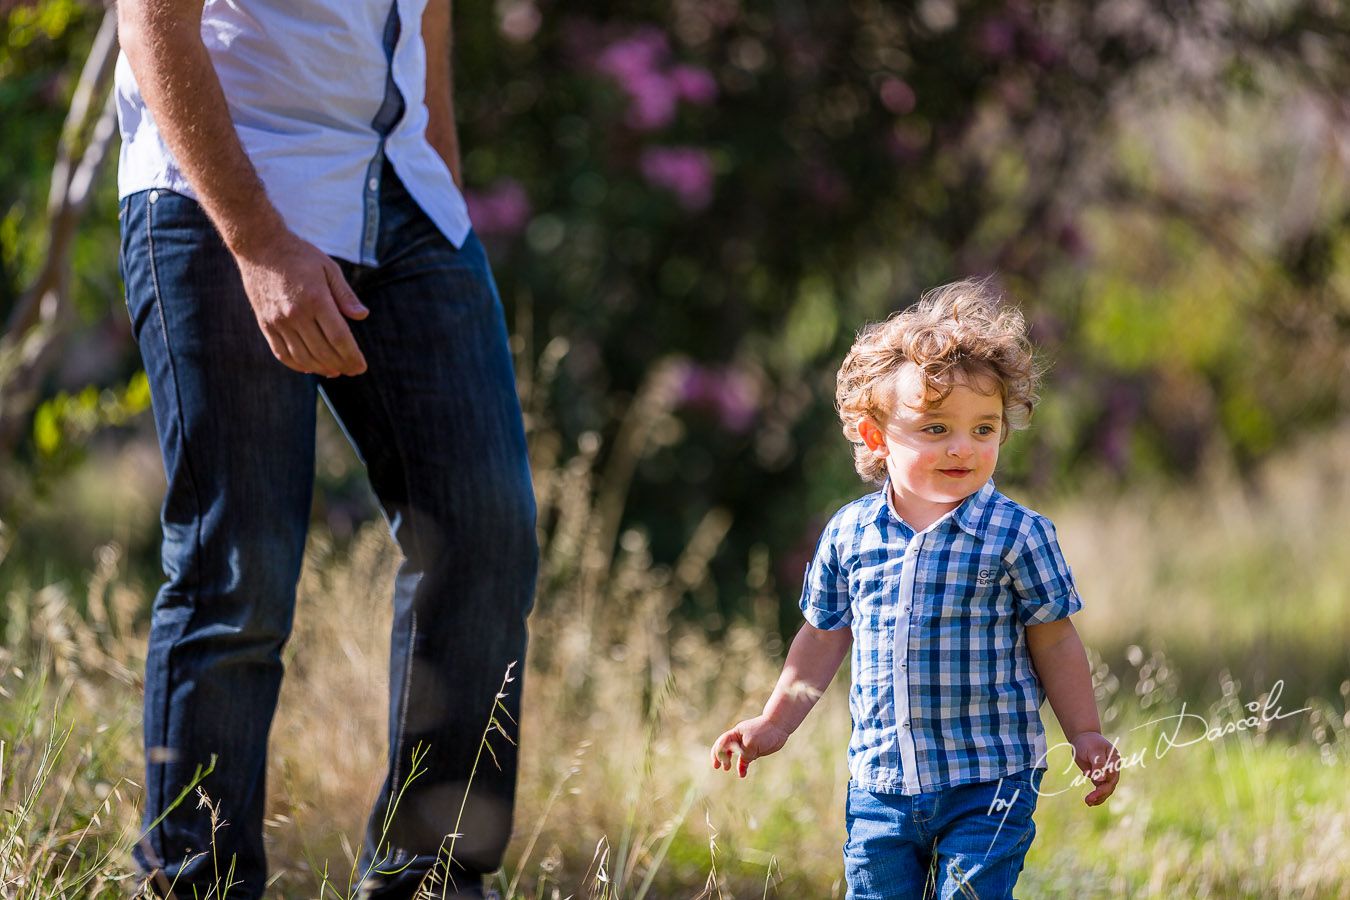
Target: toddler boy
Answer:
pixel 956 602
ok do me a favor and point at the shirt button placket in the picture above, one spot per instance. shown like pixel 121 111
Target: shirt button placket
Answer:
pixel 910 555
pixel 911 563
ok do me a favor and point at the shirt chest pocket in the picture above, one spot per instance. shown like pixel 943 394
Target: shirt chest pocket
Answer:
pixel 971 593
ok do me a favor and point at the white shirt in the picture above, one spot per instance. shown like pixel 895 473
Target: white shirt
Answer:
pixel 304 80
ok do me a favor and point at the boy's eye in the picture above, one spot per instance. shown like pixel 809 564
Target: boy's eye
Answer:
pixel 985 429
pixel 935 429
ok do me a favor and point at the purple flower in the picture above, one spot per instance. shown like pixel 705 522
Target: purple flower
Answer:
pixel 694 85
pixel 897 96
pixel 729 394
pixel 500 210
pixel 684 171
pixel 641 53
pixel 652 99
pixel 738 401
pixel 640 65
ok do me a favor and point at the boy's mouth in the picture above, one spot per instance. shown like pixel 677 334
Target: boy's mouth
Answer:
pixel 956 473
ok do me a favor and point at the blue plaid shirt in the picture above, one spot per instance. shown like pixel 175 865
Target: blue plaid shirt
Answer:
pixel 944 692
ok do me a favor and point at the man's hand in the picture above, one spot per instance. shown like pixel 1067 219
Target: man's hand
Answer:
pixel 750 739
pixel 298 294
pixel 299 297
pixel 1099 761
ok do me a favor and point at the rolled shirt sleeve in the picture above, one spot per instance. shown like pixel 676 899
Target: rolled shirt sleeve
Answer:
pixel 1041 578
pixel 825 601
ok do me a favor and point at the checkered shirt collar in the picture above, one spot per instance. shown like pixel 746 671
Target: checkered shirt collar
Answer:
pixel 969 515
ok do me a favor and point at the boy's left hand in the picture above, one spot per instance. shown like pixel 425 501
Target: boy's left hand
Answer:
pixel 1100 762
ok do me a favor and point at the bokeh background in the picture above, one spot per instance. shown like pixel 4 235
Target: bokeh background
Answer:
pixel 691 207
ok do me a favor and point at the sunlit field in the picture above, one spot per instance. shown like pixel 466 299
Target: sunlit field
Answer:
pixel 691 207
pixel 1205 596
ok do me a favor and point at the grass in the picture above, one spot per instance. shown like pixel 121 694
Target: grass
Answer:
pixel 1189 599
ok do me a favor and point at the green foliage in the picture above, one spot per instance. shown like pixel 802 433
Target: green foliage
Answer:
pixel 740 187
pixel 63 424
pixel 42 48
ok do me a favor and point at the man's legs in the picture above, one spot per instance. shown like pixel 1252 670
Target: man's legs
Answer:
pixel 236 429
pixel 437 421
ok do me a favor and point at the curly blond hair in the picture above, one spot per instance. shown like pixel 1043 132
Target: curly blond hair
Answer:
pixel 959 333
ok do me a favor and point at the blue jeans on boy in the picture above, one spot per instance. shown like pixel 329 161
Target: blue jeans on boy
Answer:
pixel 437 422
pixel 973 836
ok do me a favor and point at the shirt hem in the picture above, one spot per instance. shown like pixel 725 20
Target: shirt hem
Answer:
pixel 897 785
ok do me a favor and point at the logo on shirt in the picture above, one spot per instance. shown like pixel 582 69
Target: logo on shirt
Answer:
pixel 986 577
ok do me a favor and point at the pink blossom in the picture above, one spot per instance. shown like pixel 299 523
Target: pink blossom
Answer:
pixel 640 65
pixel 897 96
pixel 500 210
pixel 729 394
pixel 684 171
pixel 652 101
pixel 641 53
pixel 694 85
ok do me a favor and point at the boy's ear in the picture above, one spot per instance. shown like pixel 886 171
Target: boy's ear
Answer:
pixel 872 438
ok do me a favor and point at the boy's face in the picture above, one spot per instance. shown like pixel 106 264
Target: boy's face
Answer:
pixel 941 452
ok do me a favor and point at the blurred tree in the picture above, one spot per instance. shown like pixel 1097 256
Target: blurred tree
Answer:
pixel 41 314
pixel 738 185
pixel 744 184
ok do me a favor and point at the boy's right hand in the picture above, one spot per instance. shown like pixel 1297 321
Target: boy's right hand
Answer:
pixel 750 739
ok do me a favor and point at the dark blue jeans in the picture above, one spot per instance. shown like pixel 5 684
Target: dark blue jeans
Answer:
pixel 974 837
pixel 437 422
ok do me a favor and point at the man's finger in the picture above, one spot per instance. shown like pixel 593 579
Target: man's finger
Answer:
pixel 301 360
pixel 279 350
pixel 346 298
pixel 330 362
pixel 339 337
